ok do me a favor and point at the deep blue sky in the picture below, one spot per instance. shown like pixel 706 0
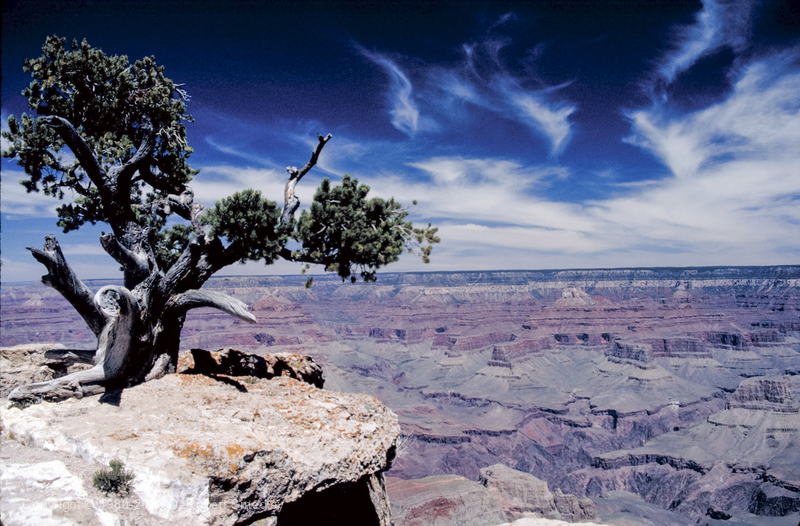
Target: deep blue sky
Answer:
pixel 535 134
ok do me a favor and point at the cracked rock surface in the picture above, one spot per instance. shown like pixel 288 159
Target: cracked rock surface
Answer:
pixel 222 450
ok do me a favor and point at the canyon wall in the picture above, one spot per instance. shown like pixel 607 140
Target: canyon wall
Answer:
pixel 564 375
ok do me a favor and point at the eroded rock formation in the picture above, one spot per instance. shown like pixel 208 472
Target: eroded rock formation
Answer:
pixel 745 458
pixel 544 372
pixel 500 495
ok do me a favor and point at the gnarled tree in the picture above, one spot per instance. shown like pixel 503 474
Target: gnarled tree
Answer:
pixel 124 126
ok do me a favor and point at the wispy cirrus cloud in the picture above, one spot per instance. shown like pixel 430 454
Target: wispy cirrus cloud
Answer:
pixel 734 192
pixel 483 81
pixel 480 80
pixel 551 120
pixel 404 112
pixel 719 24
pixel 757 121
pixel 498 192
pixel 17 202
pixel 733 186
pixel 236 152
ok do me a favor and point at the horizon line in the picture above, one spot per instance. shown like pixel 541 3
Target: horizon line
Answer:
pixel 793 268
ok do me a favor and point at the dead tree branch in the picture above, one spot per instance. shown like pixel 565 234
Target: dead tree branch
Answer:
pixel 291 201
pixel 110 359
pixel 61 278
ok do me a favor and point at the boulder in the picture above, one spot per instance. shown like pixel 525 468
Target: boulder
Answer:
pixel 233 362
pixel 216 450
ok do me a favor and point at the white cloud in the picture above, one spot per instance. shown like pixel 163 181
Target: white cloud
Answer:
pixel 236 152
pixel 759 120
pixel 732 198
pixel 30 270
pixel 720 23
pixel 550 120
pixel 484 82
pixel 19 203
pixel 563 241
pixel 481 80
pixel 220 181
pixel 83 249
pixel 483 190
pixel 404 112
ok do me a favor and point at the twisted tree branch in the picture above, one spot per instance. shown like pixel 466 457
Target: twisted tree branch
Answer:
pixel 62 278
pixel 291 201
pixel 110 359
pixel 136 264
pixel 82 152
pixel 123 174
pixel 159 183
pixel 192 299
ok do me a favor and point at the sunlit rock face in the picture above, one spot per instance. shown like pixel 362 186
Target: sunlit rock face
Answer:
pixel 543 372
pixel 219 450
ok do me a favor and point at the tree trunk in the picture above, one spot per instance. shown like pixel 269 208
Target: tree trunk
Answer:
pixel 138 331
pixel 138 326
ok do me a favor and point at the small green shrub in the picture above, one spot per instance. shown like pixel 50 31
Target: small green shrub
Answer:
pixel 23 403
pixel 115 481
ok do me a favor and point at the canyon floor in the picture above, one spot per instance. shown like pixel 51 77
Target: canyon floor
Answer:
pixel 667 396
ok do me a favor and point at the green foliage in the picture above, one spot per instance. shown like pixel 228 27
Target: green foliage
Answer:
pixel 115 481
pixel 110 103
pixel 250 224
pixel 349 233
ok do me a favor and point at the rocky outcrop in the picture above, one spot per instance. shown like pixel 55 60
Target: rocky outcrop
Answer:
pixel 233 362
pixel 499 358
pixel 523 495
pixel 774 501
pixel 501 494
pixel 24 364
pixel 767 394
pixel 630 351
pixel 221 450
pixel 678 347
pixel 442 500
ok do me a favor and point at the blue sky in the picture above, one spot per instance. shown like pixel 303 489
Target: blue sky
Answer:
pixel 575 134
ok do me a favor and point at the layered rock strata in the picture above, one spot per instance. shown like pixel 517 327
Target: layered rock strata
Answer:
pixel 523 495
pixel 501 494
pixel 744 459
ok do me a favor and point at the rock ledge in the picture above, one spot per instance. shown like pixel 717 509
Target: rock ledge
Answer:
pixel 224 451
